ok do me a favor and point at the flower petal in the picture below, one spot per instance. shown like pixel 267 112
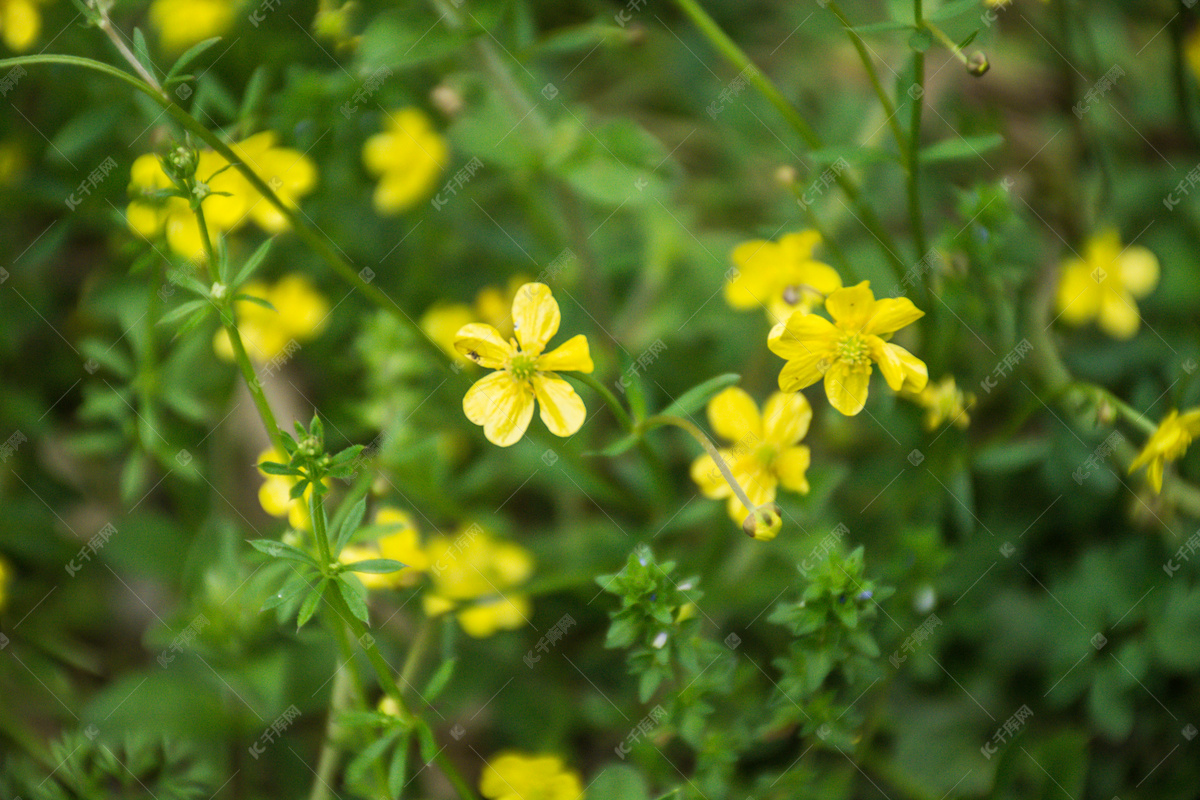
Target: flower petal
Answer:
pixel 790 466
pixel 891 314
pixel 505 613
pixel 851 306
pixel 483 345
pixel 800 373
pixel 846 388
pixel 570 356
pixel 889 362
pixel 708 478
pixel 1118 315
pixel 786 417
pixel 1139 271
pixel 1078 296
pixel 916 374
pixel 502 405
pixel 802 336
pixel 757 274
pixel 734 416
pixel 535 317
pixel 559 406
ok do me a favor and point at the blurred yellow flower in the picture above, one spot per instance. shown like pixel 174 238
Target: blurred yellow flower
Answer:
pixel 300 315
pixel 404 546
pixel 183 23
pixel 5 578
pixel 275 494
pixel 842 351
pixel 781 277
pixel 1168 443
pixel 20 23
pixel 493 306
pixel 503 401
pixel 943 401
pixel 1104 283
pixel 12 162
pixel 231 200
pixel 407 158
pixel 765 450
pixel 517 776
pixel 474 566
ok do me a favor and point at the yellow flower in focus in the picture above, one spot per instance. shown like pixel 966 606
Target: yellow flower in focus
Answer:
pixel 782 277
pixel 517 776
pixel 300 315
pixel 183 23
pixel 474 566
pixel 404 546
pixel 943 401
pixel 503 401
pixel 20 23
pixel 766 452
pixel 1168 443
pixel 275 494
pixel 842 351
pixel 407 158
pixel 5 577
pixel 1104 283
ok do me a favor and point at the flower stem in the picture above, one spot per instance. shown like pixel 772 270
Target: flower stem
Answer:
pixel 608 397
pixel 701 437
pixel 872 75
pixel 914 141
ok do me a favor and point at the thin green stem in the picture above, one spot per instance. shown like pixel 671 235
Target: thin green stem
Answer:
pixel 701 437
pixel 948 43
pixel 416 650
pixel 917 96
pixel 316 508
pixel 738 59
pixel 331 751
pixel 607 396
pixel 889 107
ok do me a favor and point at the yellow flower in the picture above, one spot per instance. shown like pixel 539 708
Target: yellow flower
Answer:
pixel 518 776
pixel 943 401
pixel 1168 443
pixel 493 306
pixel 503 401
pixel 442 322
pixel 12 162
pixel 407 158
pixel 1103 284
pixel 5 577
pixel 289 173
pixel 183 23
pixel 300 314
pixel 474 566
pixel 404 546
pixel 781 277
pixel 20 23
pixel 842 351
pixel 275 494
pixel 765 451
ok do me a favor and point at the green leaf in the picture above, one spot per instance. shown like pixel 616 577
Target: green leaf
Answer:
pixel 189 56
pixel 376 566
pixel 883 27
pixel 696 397
pixel 619 783
pixel 401 38
pixel 275 468
pixel 354 594
pixel 618 447
pixel 429 748
pixel 112 358
pixel 133 477
pixel 953 10
pixel 357 770
pixel 350 524
pixel 278 549
pixel 142 51
pixel 309 606
pixel 253 262
pixel 249 298
pixel 398 769
pixel 294 585
pixel 440 679
pixel 961 147
pixel 182 310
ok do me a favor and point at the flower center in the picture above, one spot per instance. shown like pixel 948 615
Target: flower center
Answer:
pixel 522 366
pixel 852 350
pixel 766 453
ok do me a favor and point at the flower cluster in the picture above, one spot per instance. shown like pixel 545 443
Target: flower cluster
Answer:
pixel 473 575
pixel 227 198
pixel 520 776
pixel 503 402
pixel 943 401
pixel 407 158
pixel 299 314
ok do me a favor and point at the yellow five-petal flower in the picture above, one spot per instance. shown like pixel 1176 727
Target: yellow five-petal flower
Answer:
pixel 842 351
pixel 1104 283
pixel 1168 443
pixel 782 277
pixel 503 401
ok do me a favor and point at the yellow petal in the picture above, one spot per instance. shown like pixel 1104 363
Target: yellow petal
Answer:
pixel 21 23
pixel 800 373
pixel 852 306
pixel 483 345
pixel 435 605
pixel 847 389
pixel 790 466
pixel 513 564
pixel 441 323
pixel 820 276
pixel 1155 473
pixel 570 356
pixel 802 336
pixel 1118 315
pixel 757 277
pixel 303 311
pixel 183 236
pixel 274 497
pixel 888 359
pixel 1139 271
pixel 786 417
pixel 799 246
pixel 1078 295
pixel 734 416
pixel 891 314
pixel 506 613
pixel 535 317
pixel 502 405
pixel 558 404
pixel 708 478
pixel 916 374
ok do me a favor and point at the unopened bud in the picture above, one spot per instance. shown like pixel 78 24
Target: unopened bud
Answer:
pixel 978 64
pixel 764 522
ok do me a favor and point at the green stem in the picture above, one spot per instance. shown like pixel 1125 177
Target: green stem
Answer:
pixel 416 651
pixel 700 436
pixel 331 751
pixel 948 43
pixel 872 75
pixel 607 396
pixel 738 59
pixel 914 143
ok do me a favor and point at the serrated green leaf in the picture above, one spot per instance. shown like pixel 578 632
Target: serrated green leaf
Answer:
pixel 275 468
pixel 278 549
